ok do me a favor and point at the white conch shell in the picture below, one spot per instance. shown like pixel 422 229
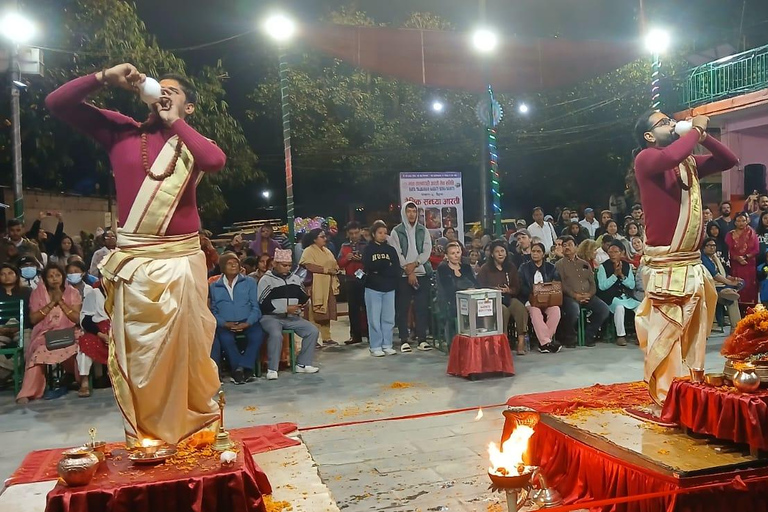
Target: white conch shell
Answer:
pixel 150 91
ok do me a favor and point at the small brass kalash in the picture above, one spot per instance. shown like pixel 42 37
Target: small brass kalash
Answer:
pixel 222 442
pixel 523 483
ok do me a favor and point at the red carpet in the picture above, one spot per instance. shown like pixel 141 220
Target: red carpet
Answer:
pixel 599 396
pixel 40 465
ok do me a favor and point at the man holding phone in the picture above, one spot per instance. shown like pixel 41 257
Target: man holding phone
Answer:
pixel 351 261
pixel 282 299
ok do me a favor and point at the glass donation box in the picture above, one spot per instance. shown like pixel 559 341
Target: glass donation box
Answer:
pixel 479 312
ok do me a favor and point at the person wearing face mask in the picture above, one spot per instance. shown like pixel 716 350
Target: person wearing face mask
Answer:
pixel 76 273
pixel 93 344
pixel 29 268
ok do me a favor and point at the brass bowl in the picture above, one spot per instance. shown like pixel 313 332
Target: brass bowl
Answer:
pixel 99 449
pixel 715 379
pixel 512 481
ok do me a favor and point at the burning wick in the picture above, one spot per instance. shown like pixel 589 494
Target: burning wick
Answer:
pixel 510 458
pixel 479 414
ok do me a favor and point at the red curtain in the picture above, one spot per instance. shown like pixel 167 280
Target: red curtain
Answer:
pixel 448 60
pixel 582 473
pixel 719 412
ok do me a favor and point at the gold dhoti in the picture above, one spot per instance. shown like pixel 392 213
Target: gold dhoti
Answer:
pixel 162 374
pixel 160 362
pixel 675 318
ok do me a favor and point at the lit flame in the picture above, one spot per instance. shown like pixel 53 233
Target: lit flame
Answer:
pixel 511 455
pixel 146 443
pixel 479 414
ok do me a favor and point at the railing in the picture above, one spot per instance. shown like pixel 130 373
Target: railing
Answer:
pixel 730 76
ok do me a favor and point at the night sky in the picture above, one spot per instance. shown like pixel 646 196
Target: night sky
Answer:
pixel 698 24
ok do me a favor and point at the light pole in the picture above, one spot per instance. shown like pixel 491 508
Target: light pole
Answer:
pixel 485 41
pixel 656 42
pixel 282 29
pixel 18 30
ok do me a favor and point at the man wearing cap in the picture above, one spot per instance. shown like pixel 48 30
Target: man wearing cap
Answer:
pixel 282 299
pixel 160 361
pixel 542 229
pixel 29 268
pixel 520 247
pixel 589 222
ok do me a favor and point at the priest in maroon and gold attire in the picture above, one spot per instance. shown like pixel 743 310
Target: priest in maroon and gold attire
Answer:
pixel 162 330
pixel 675 318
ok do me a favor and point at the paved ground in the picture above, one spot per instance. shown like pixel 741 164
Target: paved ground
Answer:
pixel 396 465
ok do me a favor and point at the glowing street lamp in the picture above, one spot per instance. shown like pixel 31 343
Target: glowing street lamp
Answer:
pixel 281 28
pixel 438 106
pixel 657 42
pixel 485 40
pixel 18 30
pixel 266 194
pixel 523 108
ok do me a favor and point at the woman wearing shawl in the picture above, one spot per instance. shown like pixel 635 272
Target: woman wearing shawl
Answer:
pixel 321 282
pixel 53 305
pixel 743 248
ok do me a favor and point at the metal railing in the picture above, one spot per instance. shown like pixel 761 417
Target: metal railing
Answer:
pixel 730 76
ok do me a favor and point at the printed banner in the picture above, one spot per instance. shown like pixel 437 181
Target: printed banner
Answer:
pixel 438 196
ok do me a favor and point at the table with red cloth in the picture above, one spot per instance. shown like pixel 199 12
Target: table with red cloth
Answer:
pixel 209 487
pixel 721 412
pixel 475 355
pixel 583 472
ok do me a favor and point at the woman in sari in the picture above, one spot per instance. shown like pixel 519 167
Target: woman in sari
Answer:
pixel 322 283
pixel 54 305
pixel 743 247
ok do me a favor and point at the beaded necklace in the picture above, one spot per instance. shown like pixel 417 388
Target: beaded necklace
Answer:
pixel 145 160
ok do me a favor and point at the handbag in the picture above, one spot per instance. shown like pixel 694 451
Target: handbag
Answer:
pixel 546 295
pixel 60 338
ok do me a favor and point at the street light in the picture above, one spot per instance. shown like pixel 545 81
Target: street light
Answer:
pixel 438 106
pixel 266 194
pixel 657 41
pixel 281 28
pixel 523 108
pixel 485 40
pixel 18 30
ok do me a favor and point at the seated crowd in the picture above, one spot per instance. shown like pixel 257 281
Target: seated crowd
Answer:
pixel 259 289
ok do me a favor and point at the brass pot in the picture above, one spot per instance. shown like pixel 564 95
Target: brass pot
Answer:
pixel 715 379
pixel 77 466
pixel 746 381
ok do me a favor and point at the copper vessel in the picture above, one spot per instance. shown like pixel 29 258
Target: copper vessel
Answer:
pixel 77 466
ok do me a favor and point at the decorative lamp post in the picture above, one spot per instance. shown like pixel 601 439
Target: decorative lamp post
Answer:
pixel 656 42
pixel 281 28
pixel 18 30
pixel 489 113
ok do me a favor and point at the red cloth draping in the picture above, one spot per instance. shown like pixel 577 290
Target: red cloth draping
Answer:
pixel 93 346
pixel 207 486
pixel 40 465
pixel 599 396
pixel 482 354
pixel 447 59
pixel 582 473
pixel 719 412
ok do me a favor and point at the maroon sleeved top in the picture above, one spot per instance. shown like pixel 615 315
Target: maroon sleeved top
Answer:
pixel 660 189
pixel 120 135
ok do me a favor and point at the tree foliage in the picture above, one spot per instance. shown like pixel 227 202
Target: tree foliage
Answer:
pixel 94 34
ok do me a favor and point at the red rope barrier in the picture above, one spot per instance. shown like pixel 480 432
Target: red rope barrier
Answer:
pixel 406 417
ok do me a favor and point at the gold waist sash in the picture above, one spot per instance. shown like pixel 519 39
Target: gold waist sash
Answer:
pixel 135 249
pixel 671 275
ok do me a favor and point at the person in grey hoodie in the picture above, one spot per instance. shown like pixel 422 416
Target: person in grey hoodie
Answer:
pixel 413 245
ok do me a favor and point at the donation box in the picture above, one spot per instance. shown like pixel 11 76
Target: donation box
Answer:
pixel 479 312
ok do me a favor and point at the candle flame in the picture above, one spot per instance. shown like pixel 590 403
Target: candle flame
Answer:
pixel 479 414
pixel 146 443
pixel 510 457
